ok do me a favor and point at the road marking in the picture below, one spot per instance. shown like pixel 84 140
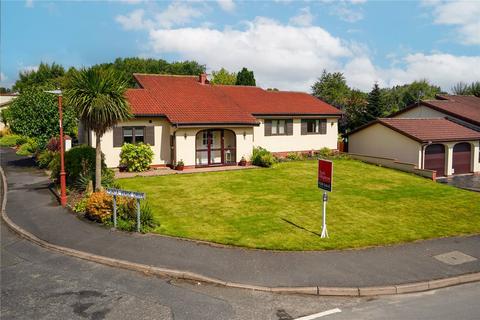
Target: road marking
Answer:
pixel 320 314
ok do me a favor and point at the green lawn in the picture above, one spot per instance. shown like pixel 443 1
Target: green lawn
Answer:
pixel 280 207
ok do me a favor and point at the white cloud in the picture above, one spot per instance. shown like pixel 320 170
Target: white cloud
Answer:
pixel 291 57
pixel 177 13
pixel 226 5
pixel 283 56
pixel 462 14
pixel 29 3
pixel 440 69
pixel 134 20
pixel 3 77
pixel 346 13
pixel 304 18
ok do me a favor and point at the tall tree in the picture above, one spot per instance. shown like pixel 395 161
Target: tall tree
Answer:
pixel 47 76
pixel 222 76
pixel 419 90
pixel 127 66
pixel 374 107
pixel 462 88
pixel 98 95
pixel 245 78
pixel 354 108
pixel 331 88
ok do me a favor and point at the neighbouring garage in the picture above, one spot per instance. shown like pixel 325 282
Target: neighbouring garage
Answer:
pixel 435 158
pixel 436 144
pixel 462 157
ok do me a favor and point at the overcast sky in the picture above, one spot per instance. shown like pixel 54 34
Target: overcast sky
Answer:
pixel 286 43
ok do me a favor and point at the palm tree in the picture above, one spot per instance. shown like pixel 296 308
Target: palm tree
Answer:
pixel 98 95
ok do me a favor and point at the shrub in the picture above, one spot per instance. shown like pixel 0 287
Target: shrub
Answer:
pixel 5 132
pixel 12 140
pixel 79 160
pixel 53 144
pixel 44 158
pixel 99 207
pixel 325 152
pixel 108 180
pixel 294 156
pixel 127 215
pixel 5 116
pixel 262 157
pixel 137 157
pixel 81 206
pixel 34 113
pixel 28 148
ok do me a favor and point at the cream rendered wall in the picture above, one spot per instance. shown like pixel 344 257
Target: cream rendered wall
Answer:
pixel 421 112
pixel 380 141
pixel 185 143
pixel 297 141
pixel 161 149
pixel 475 156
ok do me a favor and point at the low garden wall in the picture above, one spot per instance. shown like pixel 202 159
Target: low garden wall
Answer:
pixel 395 164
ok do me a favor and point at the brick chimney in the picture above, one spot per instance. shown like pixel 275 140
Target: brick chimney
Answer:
pixel 203 78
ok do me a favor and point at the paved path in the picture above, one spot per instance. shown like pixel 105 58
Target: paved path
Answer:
pixel 31 206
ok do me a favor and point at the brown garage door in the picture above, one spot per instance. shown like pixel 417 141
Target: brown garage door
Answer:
pixel 435 158
pixel 461 158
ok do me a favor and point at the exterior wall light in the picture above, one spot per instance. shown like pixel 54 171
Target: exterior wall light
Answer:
pixel 185 135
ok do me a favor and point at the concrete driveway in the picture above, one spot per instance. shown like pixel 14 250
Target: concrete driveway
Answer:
pixel 469 182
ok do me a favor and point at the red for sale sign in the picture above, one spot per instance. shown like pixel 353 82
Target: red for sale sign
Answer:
pixel 325 174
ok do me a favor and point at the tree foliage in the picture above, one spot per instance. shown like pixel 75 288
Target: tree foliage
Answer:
pixel 127 66
pixel 222 76
pixel 245 78
pixel 374 107
pixel 331 88
pixel 360 108
pixel 47 76
pixel 34 113
pixel 462 88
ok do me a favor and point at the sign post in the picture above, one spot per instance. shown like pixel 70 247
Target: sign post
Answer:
pixel 325 177
pixel 128 194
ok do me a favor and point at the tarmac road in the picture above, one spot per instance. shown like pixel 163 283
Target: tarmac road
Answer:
pixel 39 284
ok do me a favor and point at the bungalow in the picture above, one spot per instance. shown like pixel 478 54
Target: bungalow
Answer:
pixel 187 118
pixel 441 135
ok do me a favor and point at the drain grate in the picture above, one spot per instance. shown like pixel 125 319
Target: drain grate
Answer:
pixel 454 258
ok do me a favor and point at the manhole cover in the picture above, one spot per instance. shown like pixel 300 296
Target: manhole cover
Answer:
pixel 454 258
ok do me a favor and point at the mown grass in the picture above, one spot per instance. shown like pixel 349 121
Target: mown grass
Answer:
pixel 280 207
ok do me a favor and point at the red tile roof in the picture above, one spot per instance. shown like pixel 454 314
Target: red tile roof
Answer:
pixel 425 130
pixel 463 107
pixel 184 100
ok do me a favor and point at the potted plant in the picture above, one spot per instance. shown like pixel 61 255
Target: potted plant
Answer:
pixel 243 162
pixel 180 165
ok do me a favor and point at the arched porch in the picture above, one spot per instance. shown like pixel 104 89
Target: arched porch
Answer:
pixel 215 147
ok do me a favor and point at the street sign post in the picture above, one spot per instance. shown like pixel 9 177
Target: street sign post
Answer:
pixel 128 194
pixel 325 178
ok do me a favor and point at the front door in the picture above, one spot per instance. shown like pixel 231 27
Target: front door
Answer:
pixel 211 149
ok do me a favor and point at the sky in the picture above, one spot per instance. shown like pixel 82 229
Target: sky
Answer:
pixel 286 43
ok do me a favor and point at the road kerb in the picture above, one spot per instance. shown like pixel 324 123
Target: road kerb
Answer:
pixel 412 287
pixel 377 291
pixel 338 291
pixel 187 275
